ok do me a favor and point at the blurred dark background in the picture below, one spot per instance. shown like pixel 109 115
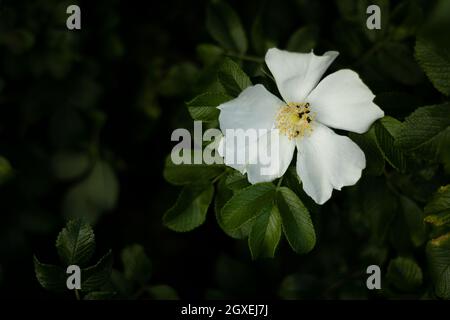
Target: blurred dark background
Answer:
pixel 85 124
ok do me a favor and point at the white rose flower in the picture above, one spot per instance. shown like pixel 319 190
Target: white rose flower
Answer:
pixel 325 160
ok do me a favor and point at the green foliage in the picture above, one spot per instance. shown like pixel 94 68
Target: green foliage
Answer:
pixel 6 170
pixel 85 123
pixel 225 27
pixel 297 224
pixel 438 253
pixel 246 205
pixel 265 234
pixel 232 78
pixel 302 40
pixel 386 130
pixel 76 243
pixel 426 131
pixel 190 210
pixel 182 174
pixel 404 274
pixel 204 106
pixel 435 61
pixel 94 195
pixel 375 158
pixel 137 266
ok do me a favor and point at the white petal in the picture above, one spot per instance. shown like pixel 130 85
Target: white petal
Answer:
pixel 227 151
pixel 296 74
pixel 254 108
pixel 326 160
pixel 273 156
pixel 342 101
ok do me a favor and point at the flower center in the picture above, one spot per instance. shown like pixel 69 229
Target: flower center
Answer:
pixel 294 120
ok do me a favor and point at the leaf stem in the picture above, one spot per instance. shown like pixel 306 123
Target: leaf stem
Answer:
pixel 218 177
pixel 279 182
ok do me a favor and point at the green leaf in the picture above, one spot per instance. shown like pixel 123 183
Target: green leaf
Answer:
pixel 137 266
pixel 438 253
pixel 257 36
pixel 223 195
pixel 374 157
pixel 440 201
pixel 404 274
pixel 413 216
pixel 76 243
pixel 425 130
pixel 209 54
pixel 204 106
pixel 67 165
pixel 225 27
pixel 181 174
pixel 93 278
pixel 236 181
pixel 162 292
pixel 94 195
pixel 438 210
pixel 190 209
pixel 266 232
pixel 303 40
pixel 50 277
pixel 386 130
pixel 246 205
pixel 435 61
pixel 180 80
pixel 232 78
pixel 397 61
pixel 5 170
pixel 297 224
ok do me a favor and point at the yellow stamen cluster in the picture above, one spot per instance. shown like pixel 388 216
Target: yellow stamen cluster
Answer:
pixel 294 120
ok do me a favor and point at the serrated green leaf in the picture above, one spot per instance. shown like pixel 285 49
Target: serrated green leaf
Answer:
pixel 162 292
pixel 303 40
pixel 232 78
pixel 438 254
pixel 386 129
pixel 223 195
pixel 246 205
pixel 182 174
pixel 374 157
pixel 190 209
pixel 404 274
pixel 435 61
pixel 426 130
pixel 225 27
pixel 296 221
pixel 204 106
pixel 94 277
pixel 236 181
pixel 413 216
pixel 50 277
pixel 266 232
pixel 76 243
pixel 440 201
pixel 137 266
